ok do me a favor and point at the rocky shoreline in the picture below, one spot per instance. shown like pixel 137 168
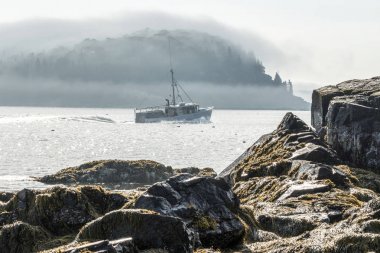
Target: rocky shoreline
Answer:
pixel 295 190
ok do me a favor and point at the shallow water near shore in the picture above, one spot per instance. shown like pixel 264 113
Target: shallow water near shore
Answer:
pixel 40 141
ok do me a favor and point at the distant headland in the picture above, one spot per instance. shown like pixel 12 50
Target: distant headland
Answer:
pixel 126 70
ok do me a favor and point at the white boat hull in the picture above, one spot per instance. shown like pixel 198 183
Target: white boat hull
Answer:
pixel 202 114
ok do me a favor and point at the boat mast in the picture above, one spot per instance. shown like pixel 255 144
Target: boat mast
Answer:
pixel 172 73
pixel 173 84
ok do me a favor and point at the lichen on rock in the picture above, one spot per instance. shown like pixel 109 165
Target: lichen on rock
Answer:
pixel 293 186
pixel 62 210
pixel 20 237
pixel 111 173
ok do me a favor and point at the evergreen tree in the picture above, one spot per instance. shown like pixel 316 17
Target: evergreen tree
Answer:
pixel 277 79
pixel 290 84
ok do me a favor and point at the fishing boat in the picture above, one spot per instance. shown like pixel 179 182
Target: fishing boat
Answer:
pixel 174 110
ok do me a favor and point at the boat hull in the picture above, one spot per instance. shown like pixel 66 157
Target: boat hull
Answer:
pixel 202 114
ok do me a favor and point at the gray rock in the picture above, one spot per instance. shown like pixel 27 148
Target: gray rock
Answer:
pixel 318 171
pixel 315 153
pixel 304 188
pixel 148 229
pixel 6 196
pixel 206 204
pixel 321 100
pixel 353 130
pixel 322 97
pixel 350 114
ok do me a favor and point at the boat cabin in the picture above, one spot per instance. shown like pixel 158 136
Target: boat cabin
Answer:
pixel 181 109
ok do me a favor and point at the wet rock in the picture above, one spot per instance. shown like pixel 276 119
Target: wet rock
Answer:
pixel 63 210
pixel 6 196
pixel 148 230
pixel 111 172
pixel 20 237
pixel 350 114
pixel 207 206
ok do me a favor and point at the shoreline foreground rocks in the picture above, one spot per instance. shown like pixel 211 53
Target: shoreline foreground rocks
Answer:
pixel 295 190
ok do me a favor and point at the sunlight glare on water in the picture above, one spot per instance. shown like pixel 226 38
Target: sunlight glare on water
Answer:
pixel 41 141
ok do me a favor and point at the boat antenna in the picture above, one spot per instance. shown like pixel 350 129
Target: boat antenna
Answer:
pixel 174 81
pixel 172 73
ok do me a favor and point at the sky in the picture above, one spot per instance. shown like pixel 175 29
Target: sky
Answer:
pixel 313 42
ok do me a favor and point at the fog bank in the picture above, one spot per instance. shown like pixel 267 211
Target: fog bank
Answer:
pixel 50 92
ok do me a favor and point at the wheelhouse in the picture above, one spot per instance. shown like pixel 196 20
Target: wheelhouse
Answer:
pixel 181 109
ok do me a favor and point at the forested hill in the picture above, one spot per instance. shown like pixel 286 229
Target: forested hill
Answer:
pixel 143 57
pixel 133 71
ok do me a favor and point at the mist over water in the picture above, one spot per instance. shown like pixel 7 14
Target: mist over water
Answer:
pixel 42 92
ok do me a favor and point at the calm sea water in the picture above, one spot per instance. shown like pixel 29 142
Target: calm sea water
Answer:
pixel 41 141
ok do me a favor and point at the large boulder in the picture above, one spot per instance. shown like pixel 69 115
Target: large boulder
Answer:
pixel 353 130
pixel 111 172
pixel 322 97
pixel 207 205
pixel 62 210
pixel 348 117
pixel 148 229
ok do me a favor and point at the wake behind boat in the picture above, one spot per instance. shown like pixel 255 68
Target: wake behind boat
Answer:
pixel 173 111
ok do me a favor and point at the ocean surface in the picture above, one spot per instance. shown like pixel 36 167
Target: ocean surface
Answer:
pixel 40 141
